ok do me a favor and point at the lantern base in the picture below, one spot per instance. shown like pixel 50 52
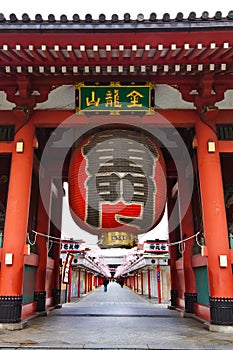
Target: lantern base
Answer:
pixel 117 240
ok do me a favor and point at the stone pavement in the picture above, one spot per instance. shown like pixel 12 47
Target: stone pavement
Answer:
pixel 117 319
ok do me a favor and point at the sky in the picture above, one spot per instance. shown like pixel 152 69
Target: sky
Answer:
pixel 95 7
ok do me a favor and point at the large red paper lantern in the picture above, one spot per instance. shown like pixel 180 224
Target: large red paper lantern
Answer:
pixel 117 182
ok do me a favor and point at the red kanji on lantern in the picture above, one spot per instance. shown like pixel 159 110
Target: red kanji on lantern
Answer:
pixel 117 182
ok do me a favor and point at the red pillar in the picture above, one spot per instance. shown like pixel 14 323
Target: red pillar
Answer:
pixel 172 248
pixel 142 282
pixel 90 279
pixel 79 283
pixel 11 279
pixel 42 251
pixel 215 227
pixel 148 281
pixel 88 282
pixel 70 284
pixel 187 230
pixel 56 232
pixel 85 282
pixel 159 283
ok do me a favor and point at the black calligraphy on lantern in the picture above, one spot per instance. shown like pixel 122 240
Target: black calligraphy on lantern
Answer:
pixel 120 165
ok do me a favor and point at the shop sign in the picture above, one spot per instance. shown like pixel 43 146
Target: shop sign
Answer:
pixel 66 271
pixel 114 98
pixel 156 247
pixel 70 247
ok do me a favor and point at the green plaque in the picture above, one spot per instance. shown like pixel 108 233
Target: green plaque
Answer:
pixel 114 98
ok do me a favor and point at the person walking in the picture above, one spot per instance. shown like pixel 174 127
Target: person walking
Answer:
pixel 121 282
pixel 105 283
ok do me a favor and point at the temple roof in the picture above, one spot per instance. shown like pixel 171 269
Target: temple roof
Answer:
pixel 54 51
pixel 52 23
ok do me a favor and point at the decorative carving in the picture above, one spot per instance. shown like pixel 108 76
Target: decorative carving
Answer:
pixel 205 90
pixel 23 92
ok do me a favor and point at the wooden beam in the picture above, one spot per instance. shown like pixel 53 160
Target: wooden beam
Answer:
pixel 7 118
pixel 6 147
pixel 225 146
pixel 179 118
pixel 161 118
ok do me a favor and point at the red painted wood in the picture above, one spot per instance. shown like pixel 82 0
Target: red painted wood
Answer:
pixel 202 311
pixel 79 283
pixel 158 270
pixel 28 310
pixel 17 213
pixel 214 215
pixel 31 259
pixel 148 283
pixel 42 247
pixel 142 283
pixel 187 230
pixel 52 118
pixel 70 284
pixel 172 235
pixel 199 260
pixel 225 146
pixel 6 147
pixel 103 39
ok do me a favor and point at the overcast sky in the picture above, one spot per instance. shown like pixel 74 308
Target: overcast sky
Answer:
pixel 108 7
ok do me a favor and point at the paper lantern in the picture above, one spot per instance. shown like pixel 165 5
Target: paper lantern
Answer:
pixel 117 182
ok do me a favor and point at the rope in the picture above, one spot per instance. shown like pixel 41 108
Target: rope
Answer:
pixel 52 238
pixel 181 250
pixel 200 245
pixel 29 240
pixel 184 240
pixel 58 240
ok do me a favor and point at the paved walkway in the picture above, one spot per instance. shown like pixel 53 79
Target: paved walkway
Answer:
pixel 117 319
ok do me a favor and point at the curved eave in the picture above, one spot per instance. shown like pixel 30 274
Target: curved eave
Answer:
pixel 121 26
